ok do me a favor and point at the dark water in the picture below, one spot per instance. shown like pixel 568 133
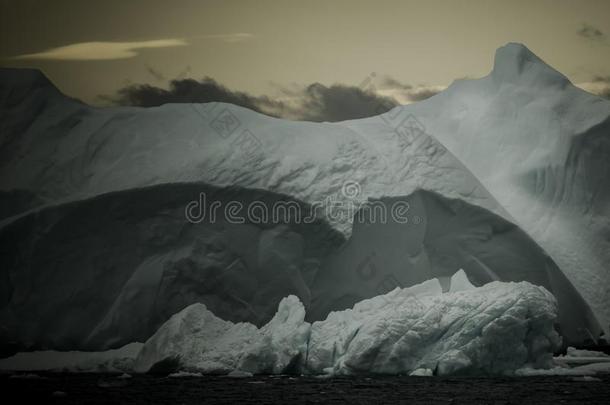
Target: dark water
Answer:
pixel 144 389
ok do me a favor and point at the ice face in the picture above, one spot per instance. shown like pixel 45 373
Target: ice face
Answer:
pixel 145 269
pixel 441 237
pixel 129 277
pixel 495 329
pixel 540 146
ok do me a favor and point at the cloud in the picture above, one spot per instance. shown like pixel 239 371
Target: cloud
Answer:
pixel 590 32
pixel 600 85
pixel 602 79
pixel 102 50
pixel 338 102
pixel 604 86
pixel 314 102
pixel 389 82
pixel 189 91
pixel 406 93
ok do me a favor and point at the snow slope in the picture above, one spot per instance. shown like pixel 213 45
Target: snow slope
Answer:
pixel 68 151
pixel 541 146
pixel 497 329
pixel 519 146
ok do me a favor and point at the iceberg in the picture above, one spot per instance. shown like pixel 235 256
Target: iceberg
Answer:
pixel 506 177
pixel 494 329
pixel 109 361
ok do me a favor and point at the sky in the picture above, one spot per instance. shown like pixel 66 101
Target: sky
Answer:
pixel 100 52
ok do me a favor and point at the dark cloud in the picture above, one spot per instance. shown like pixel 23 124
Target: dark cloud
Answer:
pixel 601 79
pixel 337 103
pixel 590 32
pixel 390 82
pixel 315 102
pixel 189 91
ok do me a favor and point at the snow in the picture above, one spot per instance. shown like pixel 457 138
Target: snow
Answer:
pixel 573 352
pixel 125 376
pixel 540 146
pixel 496 329
pixel 576 362
pixel 507 176
pixel 422 372
pixel 575 357
pixel 239 374
pixel 587 378
pixel 184 374
pixel 26 376
pixel 207 343
pixel 584 370
pixel 460 282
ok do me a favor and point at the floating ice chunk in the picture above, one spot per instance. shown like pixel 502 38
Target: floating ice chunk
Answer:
pixel 585 370
pixel 184 374
pixel 573 352
pixel 199 340
pixel 422 372
pixel 239 374
pixel 497 328
pixel 202 341
pixel 594 368
pixel 26 376
pixel 586 378
pixel 111 361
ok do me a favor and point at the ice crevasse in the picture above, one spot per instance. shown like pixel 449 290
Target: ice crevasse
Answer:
pixel 494 329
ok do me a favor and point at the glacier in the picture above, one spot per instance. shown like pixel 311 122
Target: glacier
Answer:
pixel 507 177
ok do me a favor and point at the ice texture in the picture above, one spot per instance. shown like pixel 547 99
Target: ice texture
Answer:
pixel 130 276
pixel 494 329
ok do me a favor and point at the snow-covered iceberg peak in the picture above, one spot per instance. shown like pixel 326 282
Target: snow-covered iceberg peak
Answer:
pixel 514 62
pixel 497 329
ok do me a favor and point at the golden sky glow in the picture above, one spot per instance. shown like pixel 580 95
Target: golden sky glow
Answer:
pixel 89 48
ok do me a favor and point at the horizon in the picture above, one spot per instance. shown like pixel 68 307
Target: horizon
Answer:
pixel 325 51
